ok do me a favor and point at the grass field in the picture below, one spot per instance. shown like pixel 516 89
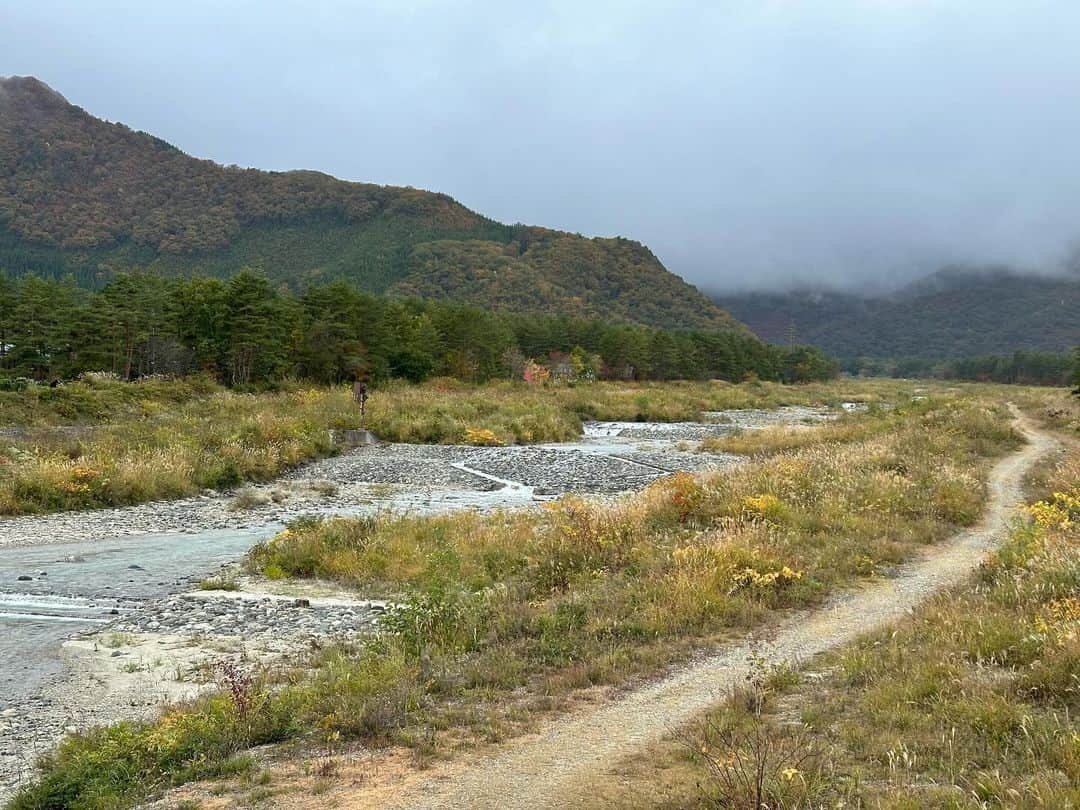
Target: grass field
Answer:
pixel 101 443
pixel 166 440
pixel 505 617
pixel 97 399
pixel 445 411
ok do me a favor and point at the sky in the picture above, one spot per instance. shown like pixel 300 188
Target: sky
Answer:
pixel 751 144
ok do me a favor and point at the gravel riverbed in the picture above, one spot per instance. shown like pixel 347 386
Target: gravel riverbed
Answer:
pixel 253 616
pixel 100 619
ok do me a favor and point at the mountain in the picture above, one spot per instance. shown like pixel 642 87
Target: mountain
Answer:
pixel 956 312
pixel 83 196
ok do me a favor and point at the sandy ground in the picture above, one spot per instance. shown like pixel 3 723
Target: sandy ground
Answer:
pixel 116 677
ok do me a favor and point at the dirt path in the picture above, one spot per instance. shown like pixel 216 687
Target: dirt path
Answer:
pixel 554 768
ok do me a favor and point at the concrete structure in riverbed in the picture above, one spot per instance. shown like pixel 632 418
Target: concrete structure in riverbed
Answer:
pixel 353 438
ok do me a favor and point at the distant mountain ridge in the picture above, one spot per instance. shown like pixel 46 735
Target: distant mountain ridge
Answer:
pixel 956 312
pixel 83 196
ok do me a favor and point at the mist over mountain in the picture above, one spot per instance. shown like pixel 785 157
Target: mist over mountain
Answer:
pixel 955 312
pixel 751 145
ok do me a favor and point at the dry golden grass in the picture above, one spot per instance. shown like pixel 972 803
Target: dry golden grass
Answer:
pixel 135 442
pixel 781 438
pixel 170 449
pixel 515 413
pixel 972 703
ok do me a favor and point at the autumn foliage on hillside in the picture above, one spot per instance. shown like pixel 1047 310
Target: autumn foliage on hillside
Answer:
pixel 72 180
pixel 550 271
pixel 89 198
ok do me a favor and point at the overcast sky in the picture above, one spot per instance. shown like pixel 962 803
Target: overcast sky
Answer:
pixel 748 142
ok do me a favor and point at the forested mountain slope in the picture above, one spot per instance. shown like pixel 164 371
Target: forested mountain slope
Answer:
pixel 83 196
pixel 952 313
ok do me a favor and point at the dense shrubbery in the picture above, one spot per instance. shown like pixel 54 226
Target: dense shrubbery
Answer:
pixel 247 332
pixel 1076 373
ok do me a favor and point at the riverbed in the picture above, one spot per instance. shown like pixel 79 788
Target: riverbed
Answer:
pixel 68 581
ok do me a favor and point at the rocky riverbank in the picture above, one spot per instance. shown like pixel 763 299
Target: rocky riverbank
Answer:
pixel 171 648
pixel 126 577
pixel 268 617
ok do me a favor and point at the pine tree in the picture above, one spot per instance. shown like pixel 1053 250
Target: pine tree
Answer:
pixel 7 315
pixel 256 330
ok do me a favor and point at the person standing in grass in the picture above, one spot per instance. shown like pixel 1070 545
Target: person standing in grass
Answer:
pixel 360 394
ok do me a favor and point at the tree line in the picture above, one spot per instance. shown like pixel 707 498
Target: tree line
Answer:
pixel 1020 367
pixel 245 331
